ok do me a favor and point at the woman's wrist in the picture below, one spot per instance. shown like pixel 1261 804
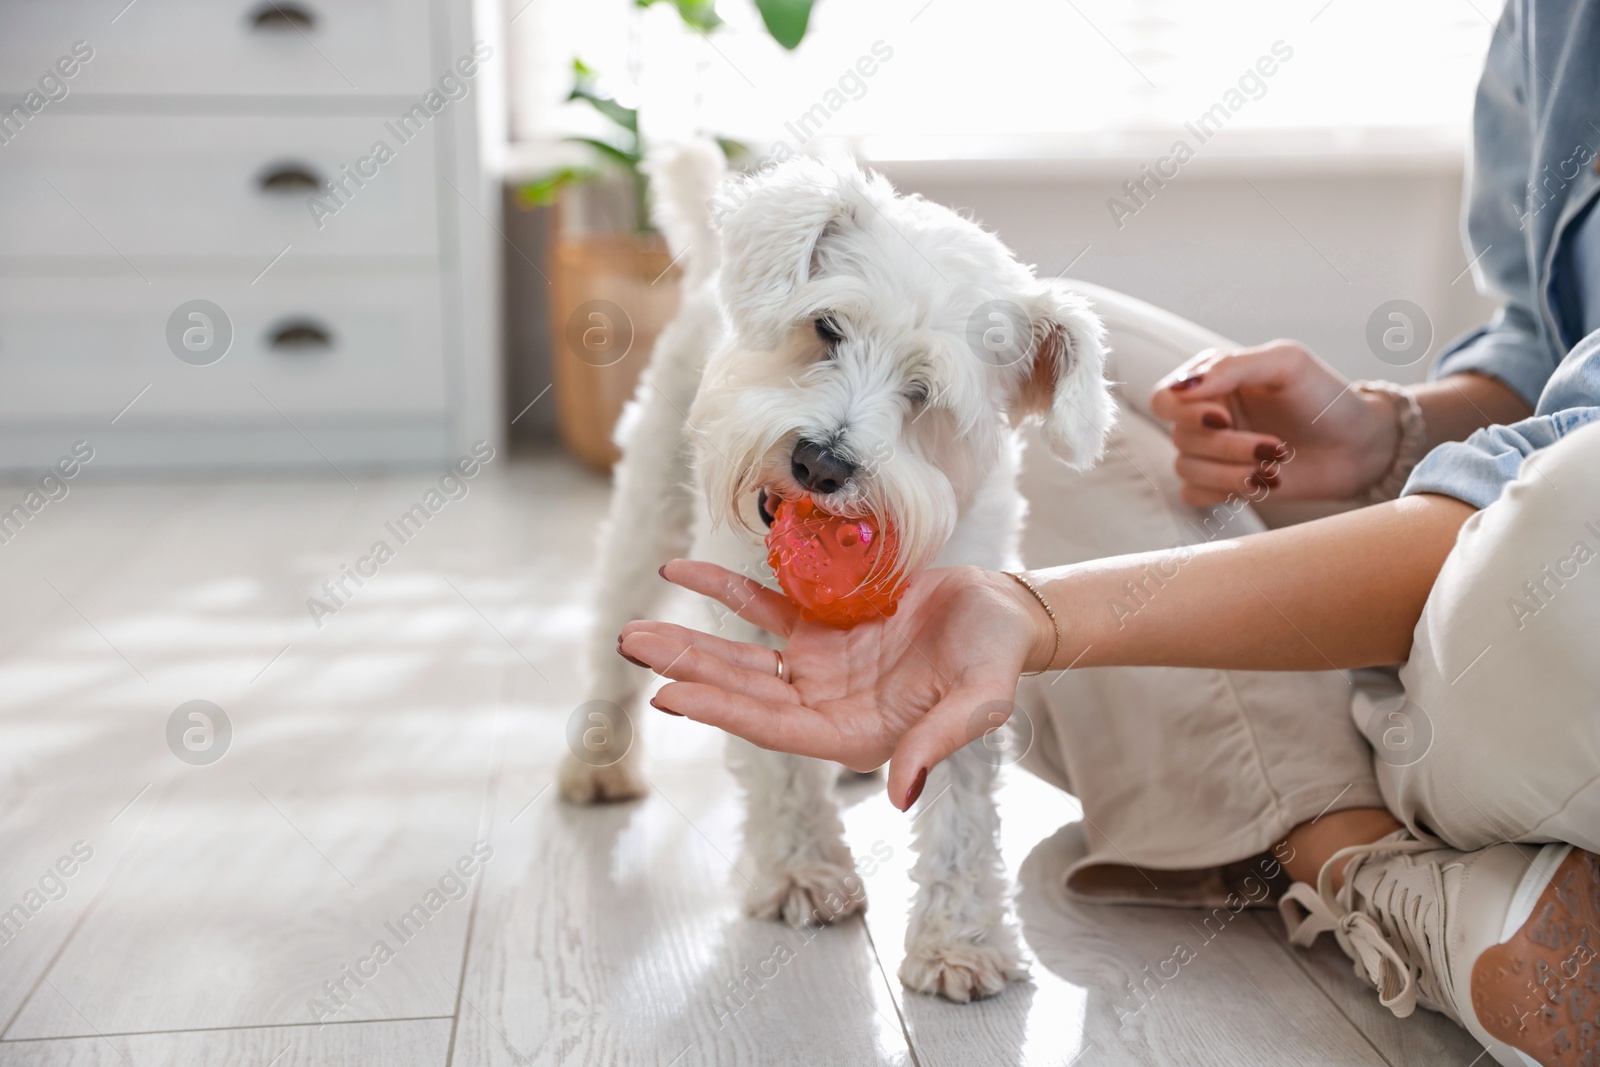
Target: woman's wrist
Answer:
pixel 1378 436
pixel 1044 623
pixel 1401 444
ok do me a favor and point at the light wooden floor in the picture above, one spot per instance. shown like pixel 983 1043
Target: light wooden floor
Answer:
pixel 368 755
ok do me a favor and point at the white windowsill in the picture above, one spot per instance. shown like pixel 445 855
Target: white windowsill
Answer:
pixel 1117 153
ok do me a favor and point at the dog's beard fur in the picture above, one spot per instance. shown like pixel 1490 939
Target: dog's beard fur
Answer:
pixel 901 393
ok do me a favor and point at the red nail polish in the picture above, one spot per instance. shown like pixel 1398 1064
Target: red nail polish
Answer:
pixel 1187 383
pixel 1268 453
pixel 1212 421
pixel 662 570
pixel 630 659
pixel 916 789
pixel 669 711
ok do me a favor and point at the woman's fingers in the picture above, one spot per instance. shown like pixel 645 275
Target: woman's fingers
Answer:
pixel 735 669
pixel 1217 461
pixel 1206 435
pixel 1205 498
pixel 737 653
pixel 791 727
pixel 746 598
pixel 1273 364
pixel 1226 477
pixel 964 715
pixel 1279 365
pixel 1192 367
pixel 1171 392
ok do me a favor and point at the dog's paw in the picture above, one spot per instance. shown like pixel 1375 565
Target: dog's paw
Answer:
pixel 960 970
pixel 815 894
pixel 582 784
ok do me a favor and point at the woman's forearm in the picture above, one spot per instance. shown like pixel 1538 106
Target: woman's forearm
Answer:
pixel 1456 405
pixel 1342 592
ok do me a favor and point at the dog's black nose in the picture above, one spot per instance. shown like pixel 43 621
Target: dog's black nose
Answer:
pixel 820 468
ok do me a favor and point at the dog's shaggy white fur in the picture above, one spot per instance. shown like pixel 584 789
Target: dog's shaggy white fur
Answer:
pixel 905 344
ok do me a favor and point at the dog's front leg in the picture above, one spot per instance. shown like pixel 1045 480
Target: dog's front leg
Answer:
pixel 796 864
pixel 960 941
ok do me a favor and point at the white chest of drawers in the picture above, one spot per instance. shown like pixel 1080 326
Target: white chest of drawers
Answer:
pixel 163 152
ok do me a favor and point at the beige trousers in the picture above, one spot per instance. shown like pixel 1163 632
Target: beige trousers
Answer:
pixel 1188 776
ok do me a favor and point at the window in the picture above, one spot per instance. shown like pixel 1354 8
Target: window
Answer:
pixel 1017 78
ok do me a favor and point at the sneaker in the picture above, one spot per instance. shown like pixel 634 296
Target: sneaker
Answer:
pixel 1504 940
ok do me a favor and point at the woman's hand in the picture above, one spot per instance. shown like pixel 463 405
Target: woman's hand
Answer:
pixel 1273 417
pixel 911 688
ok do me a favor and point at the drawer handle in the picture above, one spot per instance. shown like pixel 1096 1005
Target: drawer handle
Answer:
pixel 289 179
pixel 300 336
pixel 283 16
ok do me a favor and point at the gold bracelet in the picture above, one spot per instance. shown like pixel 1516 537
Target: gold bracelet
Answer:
pixel 1048 610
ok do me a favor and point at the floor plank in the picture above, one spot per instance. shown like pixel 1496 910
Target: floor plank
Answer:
pixel 93 821
pixel 423 1042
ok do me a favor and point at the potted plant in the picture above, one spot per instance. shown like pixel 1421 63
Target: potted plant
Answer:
pixel 613 286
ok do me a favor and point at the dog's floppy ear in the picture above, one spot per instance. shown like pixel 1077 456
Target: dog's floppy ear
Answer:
pixel 770 224
pixel 1063 384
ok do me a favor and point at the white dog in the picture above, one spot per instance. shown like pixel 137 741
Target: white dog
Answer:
pixel 877 352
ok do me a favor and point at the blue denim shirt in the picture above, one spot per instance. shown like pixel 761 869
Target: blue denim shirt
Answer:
pixel 1533 230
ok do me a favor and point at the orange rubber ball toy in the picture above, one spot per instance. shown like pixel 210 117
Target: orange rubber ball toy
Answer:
pixel 838 571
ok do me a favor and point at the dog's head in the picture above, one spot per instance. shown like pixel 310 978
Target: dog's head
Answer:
pixel 880 348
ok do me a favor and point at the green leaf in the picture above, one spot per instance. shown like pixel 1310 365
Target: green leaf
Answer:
pixel 584 88
pixel 733 150
pixel 542 191
pixel 698 14
pixel 786 20
pixel 620 156
pixel 626 117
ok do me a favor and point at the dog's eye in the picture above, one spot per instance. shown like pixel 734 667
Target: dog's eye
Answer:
pixel 917 393
pixel 828 331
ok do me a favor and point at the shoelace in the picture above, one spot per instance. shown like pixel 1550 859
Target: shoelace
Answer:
pixel 1393 971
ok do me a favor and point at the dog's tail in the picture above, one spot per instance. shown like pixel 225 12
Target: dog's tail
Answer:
pixel 685 177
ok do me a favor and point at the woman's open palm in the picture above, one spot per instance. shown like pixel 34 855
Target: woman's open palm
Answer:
pixel 911 688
